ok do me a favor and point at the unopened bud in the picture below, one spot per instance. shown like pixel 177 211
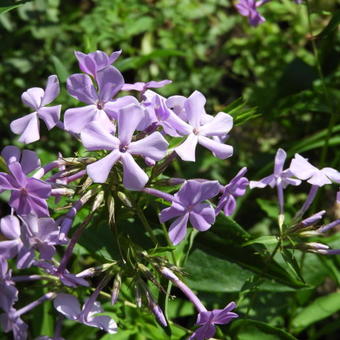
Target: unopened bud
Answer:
pixel 124 199
pixel 98 201
pixel 115 289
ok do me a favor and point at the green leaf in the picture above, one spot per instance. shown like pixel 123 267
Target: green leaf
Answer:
pixel 8 5
pixel 251 329
pixel 290 260
pixel 319 309
pixel 60 69
pixel 332 26
pixel 266 240
pixel 225 239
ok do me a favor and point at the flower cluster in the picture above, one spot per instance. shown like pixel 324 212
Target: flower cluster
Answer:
pixel 130 141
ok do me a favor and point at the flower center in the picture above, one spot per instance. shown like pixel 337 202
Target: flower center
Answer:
pixel 100 106
pixel 123 148
pixel 195 131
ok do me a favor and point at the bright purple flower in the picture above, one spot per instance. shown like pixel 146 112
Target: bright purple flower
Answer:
pixel 11 321
pixel 207 320
pixel 67 278
pixel 10 228
pixel 69 306
pixel 200 133
pixel 37 98
pixel 160 114
pixel 187 206
pixel 40 234
pixel 80 86
pixel 28 159
pixel 280 178
pixel 236 188
pixel 95 137
pixel 248 8
pixel 8 292
pixel 28 194
pixel 303 170
pixel 142 87
pixel 96 61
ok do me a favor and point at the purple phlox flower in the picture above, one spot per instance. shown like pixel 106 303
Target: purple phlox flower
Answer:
pixel 37 98
pixel 10 229
pixel 160 114
pixel 207 321
pixel 187 206
pixel 80 86
pixel 40 234
pixel 93 62
pixel 69 306
pixel 142 87
pixel 94 137
pixel 302 169
pixel 280 177
pixel 11 321
pixel 28 194
pixel 8 292
pixel 236 188
pixel 248 8
pixel 200 132
pixel 28 159
pixel 67 278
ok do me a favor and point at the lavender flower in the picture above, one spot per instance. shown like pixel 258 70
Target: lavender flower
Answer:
pixel 302 169
pixel 199 132
pixel 280 178
pixel 80 86
pixel 248 8
pixel 96 61
pixel 69 306
pixel 8 292
pixel 28 194
pixel 10 228
pixel 11 321
pixel 142 87
pixel 37 98
pixel 187 206
pixel 236 187
pixel 207 321
pixel 94 137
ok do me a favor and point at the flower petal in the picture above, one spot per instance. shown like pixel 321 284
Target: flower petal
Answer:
pixel 80 86
pixel 178 229
pixel 67 305
pixel 332 174
pixel 29 161
pixel 134 177
pixel 219 150
pixel 50 115
pixel 194 107
pixel 52 90
pixel 27 127
pixel 110 82
pixel 153 146
pixel 33 97
pixel 10 227
pixel 220 125
pixel 77 118
pixel 174 211
pixel 301 168
pixel 186 151
pixel 99 171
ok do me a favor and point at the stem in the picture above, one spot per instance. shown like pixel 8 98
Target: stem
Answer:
pixel 146 224
pixel 309 200
pixel 160 194
pixel 27 308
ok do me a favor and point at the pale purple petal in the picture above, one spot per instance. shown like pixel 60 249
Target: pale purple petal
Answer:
pixel 219 150
pixel 110 81
pixel 50 115
pixel 51 91
pixel 77 118
pixel 27 127
pixel 129 118
pixel 10 227
pixel 319 179
pixel 96 137
pixel 332 174
pixel 38 188
pixel 178 229
pixel 153 146
pixel 206 331
pixel 86 64
pixel 186 151
pixel 220 125
pixel 301 168
pixel 99 171
pixel 67 305
pixel 112 107
pixel 279 161
pixel 17 173
pixel 80 87
pixel 174 211
pixel 199 222
pixel 134 177
pixel 269 180
pixel 114 56
pixel 29 161
pixel 176 103
pixel 33 97
pixel 11 153
pixel 194 107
